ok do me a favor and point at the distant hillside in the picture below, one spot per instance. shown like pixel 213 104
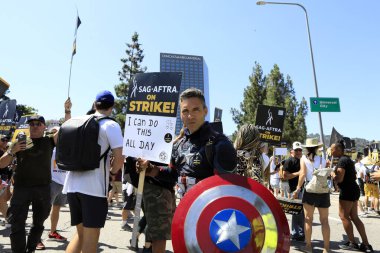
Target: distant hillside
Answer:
pixel 360 142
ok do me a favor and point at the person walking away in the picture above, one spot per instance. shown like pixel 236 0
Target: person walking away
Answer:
pixel 88 189
pixel 344 174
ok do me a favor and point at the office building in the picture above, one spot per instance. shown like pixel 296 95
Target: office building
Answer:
pixel 195 74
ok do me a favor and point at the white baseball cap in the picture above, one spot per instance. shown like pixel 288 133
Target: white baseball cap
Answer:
pixel 297 145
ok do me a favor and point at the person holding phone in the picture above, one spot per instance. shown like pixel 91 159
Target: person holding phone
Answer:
pixel 32 179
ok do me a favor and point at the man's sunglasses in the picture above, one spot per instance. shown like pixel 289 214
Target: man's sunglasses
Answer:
pixel 4 139
pixel 35 124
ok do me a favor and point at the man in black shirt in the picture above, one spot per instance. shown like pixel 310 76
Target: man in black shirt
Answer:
pixel 31 183
pixel 291 173
pixel 190 162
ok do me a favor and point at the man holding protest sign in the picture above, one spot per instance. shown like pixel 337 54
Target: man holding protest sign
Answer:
pixel 201 153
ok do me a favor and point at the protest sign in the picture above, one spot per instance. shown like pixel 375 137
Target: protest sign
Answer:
pixel 290 206
pixel 22 126
pixel 151 115
pixel 7 114
pixel 270 121
pixel 218 114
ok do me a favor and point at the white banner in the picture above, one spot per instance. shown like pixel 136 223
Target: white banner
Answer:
pixel 149 137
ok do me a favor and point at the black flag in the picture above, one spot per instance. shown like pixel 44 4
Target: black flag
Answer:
pixel 335 136
pixel 75 36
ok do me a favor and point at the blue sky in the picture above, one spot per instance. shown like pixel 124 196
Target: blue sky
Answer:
pixel 37 36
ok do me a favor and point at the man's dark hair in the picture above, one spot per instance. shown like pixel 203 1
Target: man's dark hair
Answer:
pixel 340 144
pixel 193 93
pixel 103 105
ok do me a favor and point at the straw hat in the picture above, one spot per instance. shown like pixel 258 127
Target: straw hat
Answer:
pixel 367 161
pixel 312 142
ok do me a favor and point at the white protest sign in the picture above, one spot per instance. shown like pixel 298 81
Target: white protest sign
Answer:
pixel 280 151
pixel 151 116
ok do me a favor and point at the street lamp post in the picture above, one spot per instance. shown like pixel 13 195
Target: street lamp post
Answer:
pixel 312 61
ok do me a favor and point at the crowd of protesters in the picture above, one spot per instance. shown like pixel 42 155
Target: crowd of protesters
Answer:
pixel 286 177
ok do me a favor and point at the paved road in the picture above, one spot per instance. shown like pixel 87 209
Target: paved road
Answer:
pixel 115 240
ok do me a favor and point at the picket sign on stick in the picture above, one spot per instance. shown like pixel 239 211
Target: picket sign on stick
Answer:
pixel 137 209
pixel 150 124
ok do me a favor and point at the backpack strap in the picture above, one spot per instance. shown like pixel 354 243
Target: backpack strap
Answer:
pixel 209 149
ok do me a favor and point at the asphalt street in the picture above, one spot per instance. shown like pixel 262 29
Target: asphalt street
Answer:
pixel 114 239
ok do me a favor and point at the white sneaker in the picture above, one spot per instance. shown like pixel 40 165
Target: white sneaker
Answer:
pixel 362 215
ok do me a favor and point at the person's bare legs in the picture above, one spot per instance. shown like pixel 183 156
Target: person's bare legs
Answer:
pixel 54 217
pixel 75 244
pixel 159 246
pixel 324 218
pixel 85 241
pixel 309 212
pixel 359 224
pixel 3 208
pixel 345 208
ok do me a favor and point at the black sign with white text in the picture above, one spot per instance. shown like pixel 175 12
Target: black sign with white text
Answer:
pixel 270 122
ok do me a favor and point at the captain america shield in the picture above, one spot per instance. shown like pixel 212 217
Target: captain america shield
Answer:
pixel 229 213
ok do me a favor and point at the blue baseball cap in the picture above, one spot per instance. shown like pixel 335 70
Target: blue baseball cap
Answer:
pixel 37 118
pixel 105 96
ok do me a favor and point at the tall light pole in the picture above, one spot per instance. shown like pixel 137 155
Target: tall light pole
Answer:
pixel 312 61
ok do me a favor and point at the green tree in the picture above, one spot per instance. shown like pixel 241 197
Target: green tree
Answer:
pixel 254 95
pixel 131 65
pixel 273 90
pixel 26 109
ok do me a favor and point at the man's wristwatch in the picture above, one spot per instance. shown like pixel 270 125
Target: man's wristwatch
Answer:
pixel 10 153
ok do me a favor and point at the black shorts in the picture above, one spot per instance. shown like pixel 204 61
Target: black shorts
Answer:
pixel 86 209
pixel 317 199
pixel 129 201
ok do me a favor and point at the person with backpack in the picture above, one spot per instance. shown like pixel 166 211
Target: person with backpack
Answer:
pixel 310 162
pixel 86 186
pixel 32 179
pixel 201 153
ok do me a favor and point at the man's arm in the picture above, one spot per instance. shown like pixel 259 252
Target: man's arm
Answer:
pixel 10 154
pixel 118 160
pixel 287 174
pixel 338 175
pixel 375 175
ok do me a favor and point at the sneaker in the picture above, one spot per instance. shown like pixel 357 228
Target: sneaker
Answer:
pixel 147 250
pixel 363 215
pixel 306 249
pixel 126 227
pixel 57 237
pixel 40 246
pixel 366 248
pixel 349 246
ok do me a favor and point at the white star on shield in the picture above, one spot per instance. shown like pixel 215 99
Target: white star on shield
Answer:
pixel 230 230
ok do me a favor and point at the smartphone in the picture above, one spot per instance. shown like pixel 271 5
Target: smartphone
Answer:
pixel 21 137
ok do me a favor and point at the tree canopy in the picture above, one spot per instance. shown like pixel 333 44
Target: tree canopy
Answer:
pixel 274 90
pixel 131 65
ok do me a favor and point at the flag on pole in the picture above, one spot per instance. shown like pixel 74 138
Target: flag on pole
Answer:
pixel 75 36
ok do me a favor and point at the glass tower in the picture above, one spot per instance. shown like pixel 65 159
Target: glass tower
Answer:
pixel 195 74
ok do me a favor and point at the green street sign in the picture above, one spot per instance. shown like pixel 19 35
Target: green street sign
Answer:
pixel 324 104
